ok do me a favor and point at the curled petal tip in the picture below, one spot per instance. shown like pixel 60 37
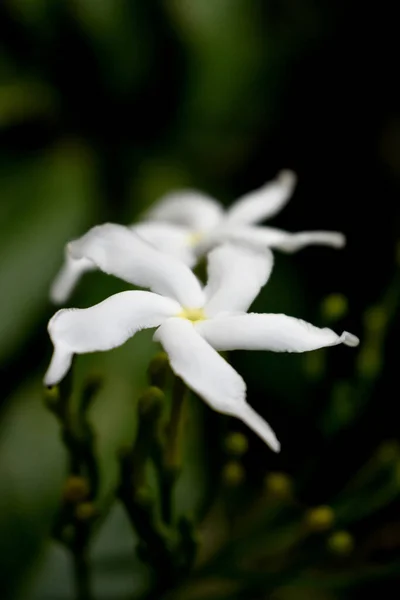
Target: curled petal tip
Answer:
pixel 276 447
pixel 74 249
pixel 349 339
pixel 56 296
pixel 338 240
pixel 253 420
pixel 287 178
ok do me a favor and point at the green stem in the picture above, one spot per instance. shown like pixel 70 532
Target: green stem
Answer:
pixel 81 574
pixel 173 454
pixel 156 544
pixel 78 439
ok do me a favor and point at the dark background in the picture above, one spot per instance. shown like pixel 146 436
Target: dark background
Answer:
pixel 106 105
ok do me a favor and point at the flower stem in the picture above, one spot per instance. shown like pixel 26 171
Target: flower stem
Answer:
pixel 72 525
pixel 81 575
pixel 173 454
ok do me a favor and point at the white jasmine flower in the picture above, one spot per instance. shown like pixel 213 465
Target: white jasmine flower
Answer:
pixel 187 224
pixel 193 322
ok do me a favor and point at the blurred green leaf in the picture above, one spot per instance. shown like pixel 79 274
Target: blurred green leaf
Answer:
pixel 24 99
pixel 119 33
pixel 49 199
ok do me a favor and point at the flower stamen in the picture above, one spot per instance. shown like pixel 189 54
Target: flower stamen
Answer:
pixel 192 314
pixel 194 238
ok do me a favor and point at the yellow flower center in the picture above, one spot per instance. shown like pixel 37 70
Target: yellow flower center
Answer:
pixel 194 238
pixel 192 314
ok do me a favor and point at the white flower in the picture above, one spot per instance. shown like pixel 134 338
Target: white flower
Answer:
pixel 193 322
pixel 187 224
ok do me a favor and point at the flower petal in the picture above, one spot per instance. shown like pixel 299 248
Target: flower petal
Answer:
pixel 118 251
pixel 235 276
pixel 263 203
pixel 209 375
pixel 189 208
pixel 103 326
pixel 67 277
pixel 275 332
pixel 175 240
pixel 276 238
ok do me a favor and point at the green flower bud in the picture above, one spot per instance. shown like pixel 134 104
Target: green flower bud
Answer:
pixel 334 307
pixel 76 489
pixel 85 511
pixel 151 402
pixel 233 473
pixel 369 361
pixel 319 518
pixel 279 485
pixel 340 543
pixel 375 319
pixel 158 370
pixel 236 444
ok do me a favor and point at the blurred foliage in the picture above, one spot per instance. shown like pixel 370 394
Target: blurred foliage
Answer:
pixel 104 106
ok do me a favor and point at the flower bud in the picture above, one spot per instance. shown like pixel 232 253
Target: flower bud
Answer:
pixel 76 489
pixel 319 518
pixel 375 319
pixel 150 403
pixel 279 485
pixel 236 444
pixel 369 361
pixel 233 473
pixel 158 370
pixel 341 543
pixel 334 307
pixel 85 511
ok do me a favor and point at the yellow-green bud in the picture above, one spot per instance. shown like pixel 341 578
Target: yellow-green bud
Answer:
pixel 375 318
pixel 158 369
pixel 341 543
pixel 334 307
pixel 388 451
pixel 151 402
pixel 236 444
pixel 85 511
pixel 279 485
pixel 76 489
pixel 369 361
pixel 319 518
pixel 233 473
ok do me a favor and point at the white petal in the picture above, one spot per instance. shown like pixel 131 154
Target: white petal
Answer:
pixel 118 251
pixel 189 208
pixel 235 276
pixel 103 326
pixel 175 240
pixel 275 332
pixel 68 276
pixel 265 202
pixel 277 238
pixel 209 375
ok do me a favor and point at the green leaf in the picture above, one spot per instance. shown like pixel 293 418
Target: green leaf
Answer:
pixel 45 202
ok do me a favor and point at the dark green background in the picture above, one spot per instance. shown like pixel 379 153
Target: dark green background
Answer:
pixel 107 104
